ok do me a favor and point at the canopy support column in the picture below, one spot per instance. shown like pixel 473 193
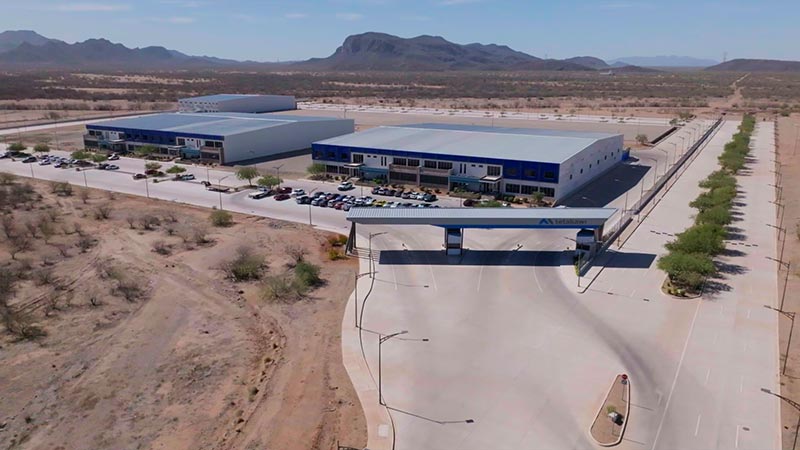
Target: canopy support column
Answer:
pixel 453 241
pixel 351 239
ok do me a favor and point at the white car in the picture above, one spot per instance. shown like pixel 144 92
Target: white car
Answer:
pixel 345 186
pixel 113 157
pixel 298 192
pixel 44 162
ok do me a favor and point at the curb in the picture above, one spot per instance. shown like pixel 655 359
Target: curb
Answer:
pixel 625 416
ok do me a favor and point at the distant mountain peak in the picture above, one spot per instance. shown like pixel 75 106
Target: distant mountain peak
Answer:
pixel 756 65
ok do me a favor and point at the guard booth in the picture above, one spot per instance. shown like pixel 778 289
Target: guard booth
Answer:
pixel 454 221
pixel 586 244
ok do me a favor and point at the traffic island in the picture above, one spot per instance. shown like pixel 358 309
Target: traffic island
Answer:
pixel 609 424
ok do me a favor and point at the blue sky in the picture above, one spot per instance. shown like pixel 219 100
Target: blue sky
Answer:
pixel 269 30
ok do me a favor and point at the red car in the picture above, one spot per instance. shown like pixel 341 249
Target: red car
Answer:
pixel 282 197
pixel 285 190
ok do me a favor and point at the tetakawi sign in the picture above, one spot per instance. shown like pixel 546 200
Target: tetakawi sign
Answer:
pixel 484 217
pixel 557 222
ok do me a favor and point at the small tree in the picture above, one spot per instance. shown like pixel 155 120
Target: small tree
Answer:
pixel 145 151
pixel 80 155
pixel 176 170
pixel 247 173
pixel 41 148
pixel 17 147
pixel 316 170
pixel 642 139
pixel 152 166
pixel 269 181
pixel 538 197
pixel 247 265
pixel 220 218
pixel 99 157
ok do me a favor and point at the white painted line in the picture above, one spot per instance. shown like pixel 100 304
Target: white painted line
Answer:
pixel 394 274
pixel 677 373
pixel 697 425
pixel 737 436
pixel 748 313
pixel 480 277
pixel 708 374
pixel 433 278
pixel 741 384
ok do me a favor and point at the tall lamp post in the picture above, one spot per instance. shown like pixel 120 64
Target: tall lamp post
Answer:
pixel 219 189
pixel 355 294
pixel 309 206
pixel 794 404
pixel 369 252
pixel 381 340
pixel 278 174
pixel 790 316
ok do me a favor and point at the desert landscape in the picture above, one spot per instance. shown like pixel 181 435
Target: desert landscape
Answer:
pixel 125 327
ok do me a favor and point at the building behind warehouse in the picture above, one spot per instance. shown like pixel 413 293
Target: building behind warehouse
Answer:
pixel 224 138
pixel 243 103
pixel 514 161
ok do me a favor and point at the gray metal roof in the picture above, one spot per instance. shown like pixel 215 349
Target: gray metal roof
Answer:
pixel 519 144
pixel 214 124
pixel 484 217
pixel 223 97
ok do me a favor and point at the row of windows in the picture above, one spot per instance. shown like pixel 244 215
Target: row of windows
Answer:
pixel 529 190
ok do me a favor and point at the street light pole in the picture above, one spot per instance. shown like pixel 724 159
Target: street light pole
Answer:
pixel 146 187
pixel 278 174
pixel 381 340
pixel 369 251
pixel 219 189
pixel 355 294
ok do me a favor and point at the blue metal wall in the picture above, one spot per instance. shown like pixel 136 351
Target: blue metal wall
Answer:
pixel 512 170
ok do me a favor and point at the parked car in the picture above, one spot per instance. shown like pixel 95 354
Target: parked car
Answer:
pixel 282 197
pixel 44 162
pixel 429 198
pixel 345 186
pixel 139 176
pixel 258 195
pixel 399 193
pixel 5 155
pixel 303 200
pixel 29 159
pixel 186 177
pixel 406 195
pixel 113 157
pixel 298 192
pixel 347 206
pixel 285 190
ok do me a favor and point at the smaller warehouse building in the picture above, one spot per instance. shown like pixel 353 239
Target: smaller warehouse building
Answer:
pixel 224 138
pixel 242 103
pixel 513 161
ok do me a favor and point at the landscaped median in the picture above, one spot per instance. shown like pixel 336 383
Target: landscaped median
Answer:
pixel 612 417
pixel 689 262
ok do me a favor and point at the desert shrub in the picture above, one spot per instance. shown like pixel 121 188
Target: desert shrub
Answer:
pixel 246 266
pixel 278 288
pixel 7 178
pixel 335 254
pixel 17 147
pixel 306 276
pixel 43 277
pixel 176 170
pixel 130 289
pixel 686 269
pixel 22 325
pixel 707 239
pixel 149 221
pixel 193 233
pixel 102 212
pixel 338 240
pixel 162 247
pixel 41 148
pixel 85 243
pixel 220 218
pixel 62 188
pixel 718 215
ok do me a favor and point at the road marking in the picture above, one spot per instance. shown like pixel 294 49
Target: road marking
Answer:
pixel 697 425
pixel 677 373
pixel 741 384
pixel 394 274
pixel 737 435
pixel 480 277
pixel 748 313
pixel 708 374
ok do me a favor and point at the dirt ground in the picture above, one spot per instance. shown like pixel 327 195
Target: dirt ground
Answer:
pixel 163 351
pixel 789 157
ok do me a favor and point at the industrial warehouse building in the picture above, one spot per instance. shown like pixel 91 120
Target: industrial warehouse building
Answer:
pixel 514 161
pixel 242 103
pixel 224 138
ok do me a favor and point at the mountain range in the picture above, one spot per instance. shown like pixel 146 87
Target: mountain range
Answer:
pixel 370 51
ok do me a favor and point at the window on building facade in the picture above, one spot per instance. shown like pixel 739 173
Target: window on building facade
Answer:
pixel 528 190
pixel 530 173
pixel 548 192
pixel 399 161
pixel 412 163
pixel 358 158
pixel 511 172
pixel 331 154
pixel 493 171
pixel 444 165
pixel 512 188
pixel 344 157
pixel 181 141
pixel 429 164
pixel 549 175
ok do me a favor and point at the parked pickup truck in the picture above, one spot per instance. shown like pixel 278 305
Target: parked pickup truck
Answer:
pixel 216 187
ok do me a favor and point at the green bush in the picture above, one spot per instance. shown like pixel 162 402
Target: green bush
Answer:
pixel 306 276
pixel 176 170
pixel 687 269
pixel 220 218
pixel 17 147
pixel 246 266
pixel 41 148
pixel 717 215
pixel 707 239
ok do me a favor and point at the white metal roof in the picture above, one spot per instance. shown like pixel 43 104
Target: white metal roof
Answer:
pixel 484 217
pixel 519 144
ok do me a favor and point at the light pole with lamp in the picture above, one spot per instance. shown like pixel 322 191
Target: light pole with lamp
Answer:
pixel 788 266
pixel 309 205
pixel 369 252
pixel 790 316
pixel 381 340
pixel 355 294
pixel 278 174
pixel 146 187
pixel 219 189
pixel 794 404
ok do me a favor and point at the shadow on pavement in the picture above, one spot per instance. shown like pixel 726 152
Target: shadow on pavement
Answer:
pixel 608 186
pixel 506 258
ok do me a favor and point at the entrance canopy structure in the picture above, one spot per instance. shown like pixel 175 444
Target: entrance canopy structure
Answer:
pixel 455 220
